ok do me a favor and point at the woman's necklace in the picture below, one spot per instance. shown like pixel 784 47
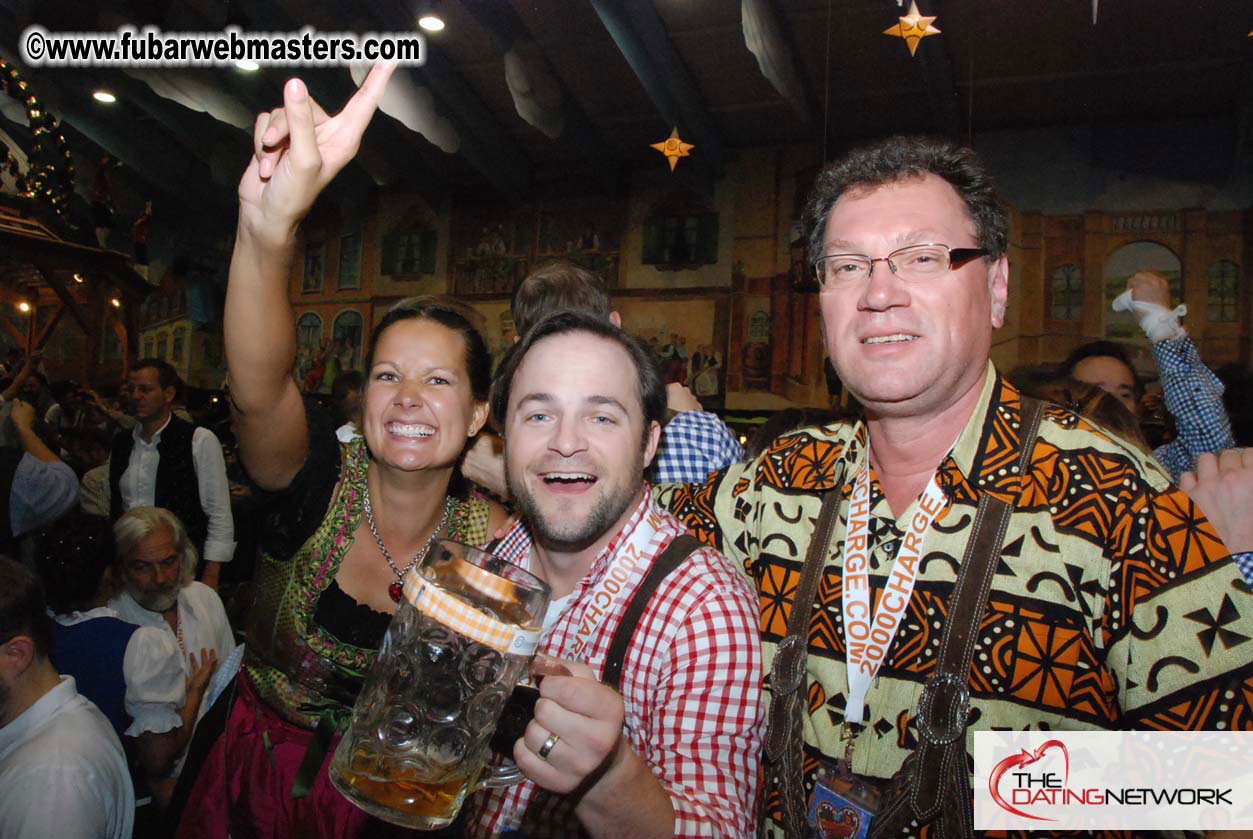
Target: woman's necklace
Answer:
pixel 395 588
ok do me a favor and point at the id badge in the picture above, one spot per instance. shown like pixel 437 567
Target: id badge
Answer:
pixel 842 805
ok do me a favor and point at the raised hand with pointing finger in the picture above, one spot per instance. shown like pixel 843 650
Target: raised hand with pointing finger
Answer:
pixel 298 149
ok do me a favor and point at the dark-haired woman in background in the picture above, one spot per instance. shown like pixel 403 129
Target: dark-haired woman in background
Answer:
pixel 1098 406
pixel 341 523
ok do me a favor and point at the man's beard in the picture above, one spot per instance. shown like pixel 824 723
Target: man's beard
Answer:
pixel 160 600
pixel 560 533
pixel 563 535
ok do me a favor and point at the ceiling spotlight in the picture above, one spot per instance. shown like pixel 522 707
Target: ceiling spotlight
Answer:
pixel 104 96
pixel 117 304
pixel 431 22
pixel 78 278
pixel 247 65
pixel 23 307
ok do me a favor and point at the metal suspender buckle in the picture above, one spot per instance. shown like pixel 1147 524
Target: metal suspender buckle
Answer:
pixel 943 709
pixel 788 671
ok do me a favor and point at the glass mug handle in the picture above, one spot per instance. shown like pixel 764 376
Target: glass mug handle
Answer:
pixel 498 776
pixel 518 712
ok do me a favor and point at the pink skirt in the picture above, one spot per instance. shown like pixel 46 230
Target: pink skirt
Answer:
pixel 243 790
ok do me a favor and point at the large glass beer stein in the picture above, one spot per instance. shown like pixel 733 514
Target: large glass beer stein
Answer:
pixel 463 635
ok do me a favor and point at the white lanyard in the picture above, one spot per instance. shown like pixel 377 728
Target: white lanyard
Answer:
pixel 613 585
pixel 868 636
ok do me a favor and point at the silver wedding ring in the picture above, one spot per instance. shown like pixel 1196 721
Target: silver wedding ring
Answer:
pixel 547 747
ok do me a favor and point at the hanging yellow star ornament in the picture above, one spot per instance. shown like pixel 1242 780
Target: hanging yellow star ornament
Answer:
pixel 913 27
pixel 673 148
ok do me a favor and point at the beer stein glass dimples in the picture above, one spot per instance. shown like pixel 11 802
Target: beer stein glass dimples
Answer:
pixel 462 636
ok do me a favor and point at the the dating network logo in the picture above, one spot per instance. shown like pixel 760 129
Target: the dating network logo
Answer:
pixel 1113 780
pixel 1028 787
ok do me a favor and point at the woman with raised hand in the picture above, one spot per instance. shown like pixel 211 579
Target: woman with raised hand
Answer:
pixel 342 521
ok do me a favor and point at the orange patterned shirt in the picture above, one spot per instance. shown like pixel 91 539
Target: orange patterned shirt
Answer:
pixel 1114 604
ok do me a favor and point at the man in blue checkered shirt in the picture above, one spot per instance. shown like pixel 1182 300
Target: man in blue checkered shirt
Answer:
pixel 1193 394
pixel 694 442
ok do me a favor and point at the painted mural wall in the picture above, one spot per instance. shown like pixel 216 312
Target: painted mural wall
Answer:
pixel 717 279
pixel 718 282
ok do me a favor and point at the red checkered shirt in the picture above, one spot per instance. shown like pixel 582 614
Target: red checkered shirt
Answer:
pixel 690 683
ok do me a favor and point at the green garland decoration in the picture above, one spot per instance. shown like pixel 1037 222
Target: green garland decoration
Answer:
pixel 49 176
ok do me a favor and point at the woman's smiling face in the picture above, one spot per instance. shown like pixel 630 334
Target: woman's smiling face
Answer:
pixel 419 409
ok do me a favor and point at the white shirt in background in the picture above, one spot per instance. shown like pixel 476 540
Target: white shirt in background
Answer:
pixel 63 773
pixel 202 616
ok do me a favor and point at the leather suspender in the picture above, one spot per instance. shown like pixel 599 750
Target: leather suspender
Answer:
pixel 679 549
pixel 937 784
pixel 787 673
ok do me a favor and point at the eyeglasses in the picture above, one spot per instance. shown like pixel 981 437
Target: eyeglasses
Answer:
pixel 913 263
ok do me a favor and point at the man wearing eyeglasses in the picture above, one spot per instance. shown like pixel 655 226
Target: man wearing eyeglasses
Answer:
pixel 1102 582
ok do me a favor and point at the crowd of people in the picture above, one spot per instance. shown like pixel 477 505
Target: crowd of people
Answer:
pixel 717 691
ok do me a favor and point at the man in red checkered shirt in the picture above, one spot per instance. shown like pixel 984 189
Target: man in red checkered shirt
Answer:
pixel 676 752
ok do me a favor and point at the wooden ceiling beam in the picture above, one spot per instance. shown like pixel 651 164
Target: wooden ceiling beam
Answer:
pixel 48 269
pixel 484 143
pixel 1244 108
pixel 197 132
pixel 149 151
pixel 42 335
pixel 784 71
pixel 17 334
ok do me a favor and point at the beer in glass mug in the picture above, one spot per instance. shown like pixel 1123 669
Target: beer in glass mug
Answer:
pixel 463 635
